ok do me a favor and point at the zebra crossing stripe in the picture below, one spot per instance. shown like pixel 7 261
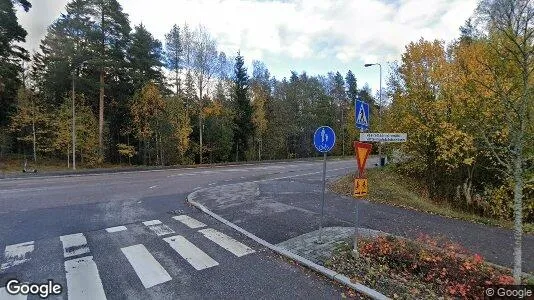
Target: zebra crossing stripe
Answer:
pixel 74 244
pixel 83 280
pixel 116 229
pixel 16 254
pixel 147 268
pixel 193 255
pixel 4 295
pixel 158 228
pixel 189 222
pixel 228 243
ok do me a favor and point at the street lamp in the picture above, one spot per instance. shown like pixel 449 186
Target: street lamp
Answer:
pixel 379 109
pixel 74 116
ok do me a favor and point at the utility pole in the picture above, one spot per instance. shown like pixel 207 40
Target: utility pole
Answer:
pixel 379 109
pixel 73 124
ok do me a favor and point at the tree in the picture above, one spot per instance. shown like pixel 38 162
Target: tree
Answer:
pixel 243 109
pixel 147 106
pixel 113 29
pixel 11 55
pixel 90 39
pixel 181 126
pixel 260 96
pixel 204 65
pixel 173 54
pixel 31 123
pixel 86 131
pixel 351 87
pixel 340 96
pixel 510 30
pixel 420 105
pixel 145 55
pixel 66 45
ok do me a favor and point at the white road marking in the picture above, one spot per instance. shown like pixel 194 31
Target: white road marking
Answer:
pixel 153 222
pixel 4 295
pixel 228 243
pixel 16 254
pixel 194 256
pixel 158 228
pixel 74 244
pixel 116 229
pixel 190 222
pixel 149 271
pixel 83 280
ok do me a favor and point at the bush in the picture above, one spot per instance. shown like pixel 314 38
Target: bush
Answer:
pixel 446 267
pixel 498 202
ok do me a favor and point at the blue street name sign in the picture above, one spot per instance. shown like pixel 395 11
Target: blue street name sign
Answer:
pixel 362 115
pixel 324 139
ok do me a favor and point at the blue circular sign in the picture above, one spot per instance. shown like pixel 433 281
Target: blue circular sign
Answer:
pixel 324 139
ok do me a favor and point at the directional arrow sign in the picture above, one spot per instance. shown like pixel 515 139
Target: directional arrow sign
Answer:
pixel 383 137
pixel 362 151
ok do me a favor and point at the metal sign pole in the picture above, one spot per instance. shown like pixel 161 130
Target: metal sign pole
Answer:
pixel 355 251
pixel 322 199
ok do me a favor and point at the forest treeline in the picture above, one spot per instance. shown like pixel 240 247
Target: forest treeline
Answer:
pixel 146 102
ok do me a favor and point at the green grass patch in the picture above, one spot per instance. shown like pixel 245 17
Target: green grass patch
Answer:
pixel 388 187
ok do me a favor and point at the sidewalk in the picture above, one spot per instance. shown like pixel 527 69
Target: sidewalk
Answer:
pixel 282 211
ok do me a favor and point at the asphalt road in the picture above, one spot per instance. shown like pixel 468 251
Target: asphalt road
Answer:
pixel 132 235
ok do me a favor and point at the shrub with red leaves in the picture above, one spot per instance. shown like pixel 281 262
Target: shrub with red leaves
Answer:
pixel 445 266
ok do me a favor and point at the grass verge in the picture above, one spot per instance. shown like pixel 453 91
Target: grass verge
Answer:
pixel 11 166
pixel 388 187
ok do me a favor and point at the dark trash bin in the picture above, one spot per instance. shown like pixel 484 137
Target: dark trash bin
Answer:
pixel 382 161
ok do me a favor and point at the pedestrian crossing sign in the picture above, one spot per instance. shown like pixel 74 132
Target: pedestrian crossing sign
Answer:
pixel 360 187
pixel 362 115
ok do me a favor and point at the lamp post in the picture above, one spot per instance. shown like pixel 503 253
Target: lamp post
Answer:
pixel 73 125
pixel 74 115
pixel 379 109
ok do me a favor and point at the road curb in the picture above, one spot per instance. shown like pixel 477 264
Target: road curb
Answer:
pixel 301 260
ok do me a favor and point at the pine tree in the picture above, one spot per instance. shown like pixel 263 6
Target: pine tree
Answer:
pixel 243 109
pixel 11 55
pixel 173 55
pixel 352 87
pixel 145 55
pixel 113 28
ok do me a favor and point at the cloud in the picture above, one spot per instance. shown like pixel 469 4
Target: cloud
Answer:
pixel 341 31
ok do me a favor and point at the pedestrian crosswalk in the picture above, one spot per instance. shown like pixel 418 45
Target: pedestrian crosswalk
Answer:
pixel 181 240
pixel 16 254
pixel 149 271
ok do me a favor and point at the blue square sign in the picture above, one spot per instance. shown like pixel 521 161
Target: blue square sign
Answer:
pixel 362 115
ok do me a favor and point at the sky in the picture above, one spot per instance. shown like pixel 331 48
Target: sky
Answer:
pixel 316 36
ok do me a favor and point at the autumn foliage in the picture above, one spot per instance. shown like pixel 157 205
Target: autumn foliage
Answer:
pixel 446 267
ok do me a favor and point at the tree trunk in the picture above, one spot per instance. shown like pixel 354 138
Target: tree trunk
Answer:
pixel 518 218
